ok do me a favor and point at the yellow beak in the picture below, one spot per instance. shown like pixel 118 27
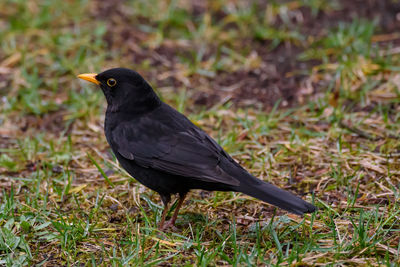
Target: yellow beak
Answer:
pixel 91 77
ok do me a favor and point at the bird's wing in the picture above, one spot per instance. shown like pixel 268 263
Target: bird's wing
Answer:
pixel 184 151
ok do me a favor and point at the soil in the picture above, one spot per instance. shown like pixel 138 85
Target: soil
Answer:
pixel 281 78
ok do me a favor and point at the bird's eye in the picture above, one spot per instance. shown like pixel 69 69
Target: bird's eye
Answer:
pixel 111 82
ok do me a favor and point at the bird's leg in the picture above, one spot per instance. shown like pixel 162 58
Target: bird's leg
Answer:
pixel 165 199
pixel 164 214
pixel 171 222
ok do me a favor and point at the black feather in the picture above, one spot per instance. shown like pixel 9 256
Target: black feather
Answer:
pixel 165 151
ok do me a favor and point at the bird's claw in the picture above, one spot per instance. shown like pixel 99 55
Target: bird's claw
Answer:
pixel 168 225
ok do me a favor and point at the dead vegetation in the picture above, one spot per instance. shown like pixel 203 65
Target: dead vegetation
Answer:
pixel 305 94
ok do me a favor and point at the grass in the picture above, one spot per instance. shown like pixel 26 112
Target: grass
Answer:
pixel 66 201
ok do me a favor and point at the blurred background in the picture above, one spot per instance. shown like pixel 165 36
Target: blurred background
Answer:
pixel 304 93
pixel 245 52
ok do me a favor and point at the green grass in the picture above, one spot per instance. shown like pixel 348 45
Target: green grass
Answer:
pixel 66 201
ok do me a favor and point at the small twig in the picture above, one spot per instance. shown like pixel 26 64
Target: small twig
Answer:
pixel 358 132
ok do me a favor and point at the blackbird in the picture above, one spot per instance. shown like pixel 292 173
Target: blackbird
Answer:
pixel 166 152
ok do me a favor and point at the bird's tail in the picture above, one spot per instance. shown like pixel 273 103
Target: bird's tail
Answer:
pixel 278 197
pixel 264 191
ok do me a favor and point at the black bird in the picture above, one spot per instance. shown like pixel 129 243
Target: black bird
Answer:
pixel 166 152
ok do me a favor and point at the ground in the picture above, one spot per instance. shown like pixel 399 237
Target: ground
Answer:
pixel 303 93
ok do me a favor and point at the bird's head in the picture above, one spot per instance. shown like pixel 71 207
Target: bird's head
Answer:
pixel 124 89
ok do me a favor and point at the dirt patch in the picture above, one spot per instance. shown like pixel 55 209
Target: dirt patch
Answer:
pixel 288 82
pixel 281 77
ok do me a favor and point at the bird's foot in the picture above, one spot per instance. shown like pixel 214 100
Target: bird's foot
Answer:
pixel 170 224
